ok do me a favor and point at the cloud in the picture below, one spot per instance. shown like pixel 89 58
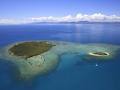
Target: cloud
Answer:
pixel 97 17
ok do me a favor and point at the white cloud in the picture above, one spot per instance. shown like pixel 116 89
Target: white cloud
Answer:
pixel 69 18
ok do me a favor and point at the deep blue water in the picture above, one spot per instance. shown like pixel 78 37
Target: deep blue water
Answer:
pixel 70 74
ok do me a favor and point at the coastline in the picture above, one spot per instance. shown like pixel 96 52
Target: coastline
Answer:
pixel 98 55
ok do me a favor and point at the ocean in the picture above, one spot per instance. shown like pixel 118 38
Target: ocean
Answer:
pixel 70 74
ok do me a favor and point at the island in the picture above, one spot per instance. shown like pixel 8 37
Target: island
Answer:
pixel 30 49
pixel 99 54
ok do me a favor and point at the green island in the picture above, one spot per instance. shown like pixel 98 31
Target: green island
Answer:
pixel 99 53
pixel 30 49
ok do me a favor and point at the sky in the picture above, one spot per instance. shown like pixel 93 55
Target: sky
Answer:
pixel 22 9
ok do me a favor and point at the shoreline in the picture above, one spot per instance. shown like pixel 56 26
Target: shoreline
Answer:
pixel 98 55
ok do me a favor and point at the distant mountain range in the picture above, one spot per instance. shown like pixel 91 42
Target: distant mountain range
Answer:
pixel 79 22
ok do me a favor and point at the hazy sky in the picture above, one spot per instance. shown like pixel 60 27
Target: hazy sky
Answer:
pixel 36 8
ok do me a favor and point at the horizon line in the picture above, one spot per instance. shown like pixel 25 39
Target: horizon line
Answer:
pixel 96 17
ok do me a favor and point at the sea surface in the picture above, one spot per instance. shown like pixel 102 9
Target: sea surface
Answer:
pixel 70 74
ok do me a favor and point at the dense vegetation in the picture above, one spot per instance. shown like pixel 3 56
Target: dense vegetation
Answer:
pixel 29 49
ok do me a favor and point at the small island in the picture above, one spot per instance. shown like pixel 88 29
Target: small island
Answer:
pixel 30 49
pixel 99 54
